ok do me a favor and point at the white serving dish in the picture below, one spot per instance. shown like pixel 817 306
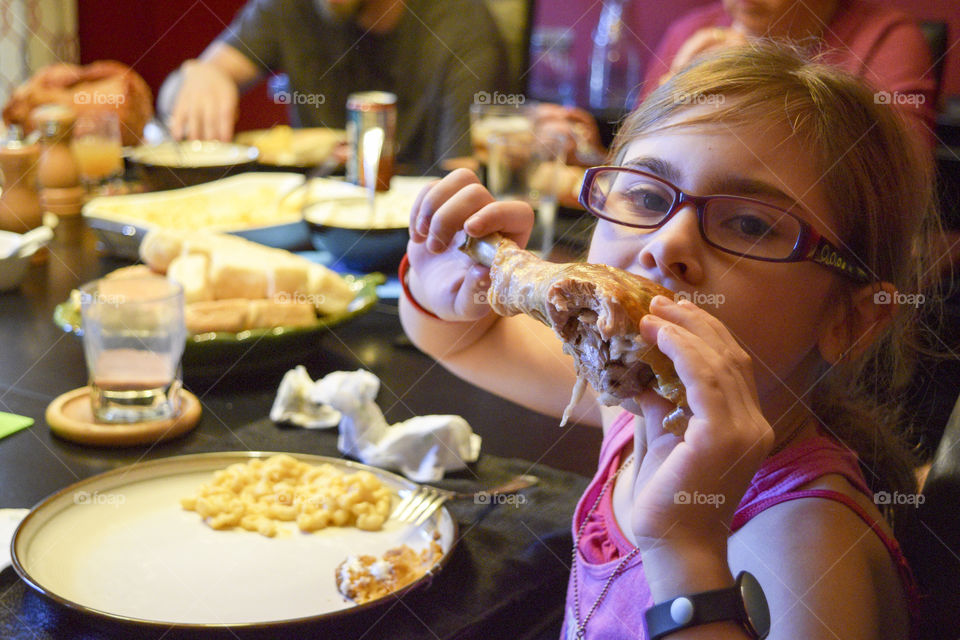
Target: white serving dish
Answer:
pixel 121 221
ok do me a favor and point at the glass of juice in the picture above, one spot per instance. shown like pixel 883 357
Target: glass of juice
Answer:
pixel 133 339
pixel 97 148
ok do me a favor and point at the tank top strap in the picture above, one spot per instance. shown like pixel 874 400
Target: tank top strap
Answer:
pixel 893 547
pixel 617 435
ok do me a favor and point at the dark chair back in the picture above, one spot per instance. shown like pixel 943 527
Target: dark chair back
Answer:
pixel 934 549
pixel 515 20
pixel 937 36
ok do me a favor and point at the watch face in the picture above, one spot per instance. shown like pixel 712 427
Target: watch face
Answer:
pixel 755 604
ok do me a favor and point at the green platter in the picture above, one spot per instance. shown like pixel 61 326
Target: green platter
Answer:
pixel 221 354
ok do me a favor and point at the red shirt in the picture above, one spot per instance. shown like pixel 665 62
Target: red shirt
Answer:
pixel 879 44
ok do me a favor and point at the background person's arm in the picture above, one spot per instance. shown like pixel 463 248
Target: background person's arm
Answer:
pixel 478 64
pixel 899 63
pixel 199 100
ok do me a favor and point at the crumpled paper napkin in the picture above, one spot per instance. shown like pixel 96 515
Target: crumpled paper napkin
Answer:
pixel 293 405
pixel 421 448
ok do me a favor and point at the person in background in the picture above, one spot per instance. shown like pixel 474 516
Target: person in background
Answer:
pixel 877 43
pixel 435 55
pixel 791 375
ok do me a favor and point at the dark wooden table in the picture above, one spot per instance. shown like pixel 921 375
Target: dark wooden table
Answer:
pixel 38 362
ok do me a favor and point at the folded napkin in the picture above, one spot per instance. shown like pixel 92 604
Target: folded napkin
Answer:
pixel 421 448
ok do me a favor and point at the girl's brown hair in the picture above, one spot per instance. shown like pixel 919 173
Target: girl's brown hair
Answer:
pixel 878 180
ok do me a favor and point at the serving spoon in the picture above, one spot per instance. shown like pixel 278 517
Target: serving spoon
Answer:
pixel 372 148
pixel 28 242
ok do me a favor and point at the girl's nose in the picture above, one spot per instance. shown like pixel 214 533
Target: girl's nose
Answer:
pixel 675 248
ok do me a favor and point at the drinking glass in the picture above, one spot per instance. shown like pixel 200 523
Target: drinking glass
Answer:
pixel 133 339
pixel 97 148
pixel 515 121
pixel 530 170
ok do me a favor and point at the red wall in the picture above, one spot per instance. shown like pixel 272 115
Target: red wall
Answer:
pixel 155 37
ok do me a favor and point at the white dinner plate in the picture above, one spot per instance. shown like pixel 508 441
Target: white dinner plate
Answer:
pixel 119 545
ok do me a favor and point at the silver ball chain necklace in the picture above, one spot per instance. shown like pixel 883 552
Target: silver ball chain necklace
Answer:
pixel 581 629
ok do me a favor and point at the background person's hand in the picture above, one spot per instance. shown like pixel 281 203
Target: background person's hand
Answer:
pixel 703 41
pixel 575 126
pixel 442 278
pixel 206 105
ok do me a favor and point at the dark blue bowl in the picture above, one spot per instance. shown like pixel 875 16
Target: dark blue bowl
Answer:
pixel 362 250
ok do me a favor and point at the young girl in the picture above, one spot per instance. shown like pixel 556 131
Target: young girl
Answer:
pixel 817 211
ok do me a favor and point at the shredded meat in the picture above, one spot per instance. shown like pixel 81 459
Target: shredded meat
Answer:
pixel 595 310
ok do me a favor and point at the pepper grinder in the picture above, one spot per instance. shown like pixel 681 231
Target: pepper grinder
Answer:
pixel 20 208
pixel 61 192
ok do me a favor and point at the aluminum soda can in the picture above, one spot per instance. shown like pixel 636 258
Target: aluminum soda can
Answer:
pixel 366 110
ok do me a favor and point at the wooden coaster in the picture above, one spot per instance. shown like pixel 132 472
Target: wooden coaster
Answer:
pixel 70 416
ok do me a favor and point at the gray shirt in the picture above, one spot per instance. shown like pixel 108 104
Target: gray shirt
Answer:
pixel 438 56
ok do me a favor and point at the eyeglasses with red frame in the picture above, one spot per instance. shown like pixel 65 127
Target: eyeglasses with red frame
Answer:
pixel 734 224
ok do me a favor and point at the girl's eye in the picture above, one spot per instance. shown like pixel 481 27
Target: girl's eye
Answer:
pixel 646 198
pixel 751 226
pixel 752 229
pixel 746 222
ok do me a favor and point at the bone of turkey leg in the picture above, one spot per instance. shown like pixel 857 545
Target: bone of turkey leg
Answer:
pixel 595 309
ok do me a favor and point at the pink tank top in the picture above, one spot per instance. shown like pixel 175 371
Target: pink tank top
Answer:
pixel 603 546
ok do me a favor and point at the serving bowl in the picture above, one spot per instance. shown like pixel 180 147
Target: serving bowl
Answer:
pixel 361 238
pixel 171 165
pixel 361 249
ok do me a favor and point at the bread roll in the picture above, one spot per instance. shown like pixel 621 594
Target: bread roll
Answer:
pixel 287 276
pixel 191 272
pixel 133 271
pixel 271 313
pixel 238 268
pixel 237 275
pixel 330 292
pixel 217 315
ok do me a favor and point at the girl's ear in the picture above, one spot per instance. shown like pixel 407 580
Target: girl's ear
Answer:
pixel 854 327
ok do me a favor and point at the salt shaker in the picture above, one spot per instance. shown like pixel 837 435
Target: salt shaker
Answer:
pixel 60 189
pixel 20 208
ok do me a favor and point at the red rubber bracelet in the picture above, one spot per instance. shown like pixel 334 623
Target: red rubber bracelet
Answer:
pixel 402 275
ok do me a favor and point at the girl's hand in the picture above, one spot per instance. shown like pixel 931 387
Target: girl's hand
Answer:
pixel 442 278
pixel 686 490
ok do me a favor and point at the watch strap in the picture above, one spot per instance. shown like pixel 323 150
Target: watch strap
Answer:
pixel 718 605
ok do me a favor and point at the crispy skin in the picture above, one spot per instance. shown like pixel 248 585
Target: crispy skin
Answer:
pixel 596 310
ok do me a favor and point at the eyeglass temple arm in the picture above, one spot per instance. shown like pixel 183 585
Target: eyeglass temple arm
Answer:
pixel 823 252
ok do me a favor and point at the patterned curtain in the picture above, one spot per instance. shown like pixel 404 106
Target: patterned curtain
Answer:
pixel 33 34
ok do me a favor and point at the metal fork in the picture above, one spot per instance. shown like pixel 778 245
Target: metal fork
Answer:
pixel 422 503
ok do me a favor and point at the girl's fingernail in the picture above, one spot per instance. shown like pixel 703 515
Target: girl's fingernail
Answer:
pixel 435 245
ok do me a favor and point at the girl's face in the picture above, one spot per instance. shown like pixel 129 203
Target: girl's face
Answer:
pixel 777 311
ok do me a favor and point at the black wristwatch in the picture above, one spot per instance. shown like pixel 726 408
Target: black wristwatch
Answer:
pixel 743 603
